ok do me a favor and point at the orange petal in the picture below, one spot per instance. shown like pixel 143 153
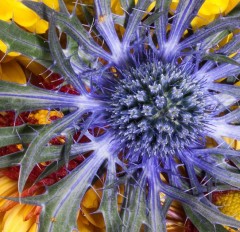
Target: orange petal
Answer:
pixel 35 211
pixel 91 199
pixel 94 218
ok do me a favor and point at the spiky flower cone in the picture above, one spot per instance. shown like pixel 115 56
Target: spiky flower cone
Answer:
pixel 149 93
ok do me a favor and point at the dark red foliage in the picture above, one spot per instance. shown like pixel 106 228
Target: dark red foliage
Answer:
pixel 8 150
pixel 9 118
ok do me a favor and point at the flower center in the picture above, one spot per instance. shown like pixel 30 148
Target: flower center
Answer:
pixel 157 109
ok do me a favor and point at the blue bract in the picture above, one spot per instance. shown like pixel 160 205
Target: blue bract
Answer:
pixel 149 100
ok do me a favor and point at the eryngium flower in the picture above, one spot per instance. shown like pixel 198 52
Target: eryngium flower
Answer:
pixel 149 100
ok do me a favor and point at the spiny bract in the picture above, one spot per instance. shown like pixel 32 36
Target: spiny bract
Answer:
pixel 150 99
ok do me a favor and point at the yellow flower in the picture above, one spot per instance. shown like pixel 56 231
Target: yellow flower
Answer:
pixel 210 10
pixel 229 203
pixel 24 218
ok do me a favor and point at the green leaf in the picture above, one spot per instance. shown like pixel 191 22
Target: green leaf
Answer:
pixel 213 40
pixel 109 202
pixel 218 25
pixel 156 218
pixel 221 58
pixel 28 44
pixel 152 18
pixel 61 60
pixel 135 206
pixel 63 7
pixel 16 135
pixel 11 160
pixel 209 212
pixel 47 154
pixel 71 26
pixel 23 98
pixel 61 201
pixel 134 20
pixel 200 222
pixel 34 150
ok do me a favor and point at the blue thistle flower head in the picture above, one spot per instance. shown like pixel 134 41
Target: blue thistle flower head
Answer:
pixel 158 110
pixel 155 96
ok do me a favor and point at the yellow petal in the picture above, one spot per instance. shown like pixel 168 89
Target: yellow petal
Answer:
pixel 11 71
pixel 201 20
pixel 83 224
pixel 173 6
pixel 91 199
pixel 94 218
pixel 226 40
pixel 229 141
pixel 229 203
pixel 210 7
pixel 8 187
pixel 5 10
pixel 3 47
pixel 23 15
pixel 116 7
pixel 14 219
pixel 4 58
pixel 39 27
pixel 34 67
pixel 231 5
pixel 237 145
pixel 34 228
pixel 51 3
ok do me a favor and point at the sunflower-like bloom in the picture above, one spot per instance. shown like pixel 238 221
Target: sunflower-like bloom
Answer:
pixel 145 106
